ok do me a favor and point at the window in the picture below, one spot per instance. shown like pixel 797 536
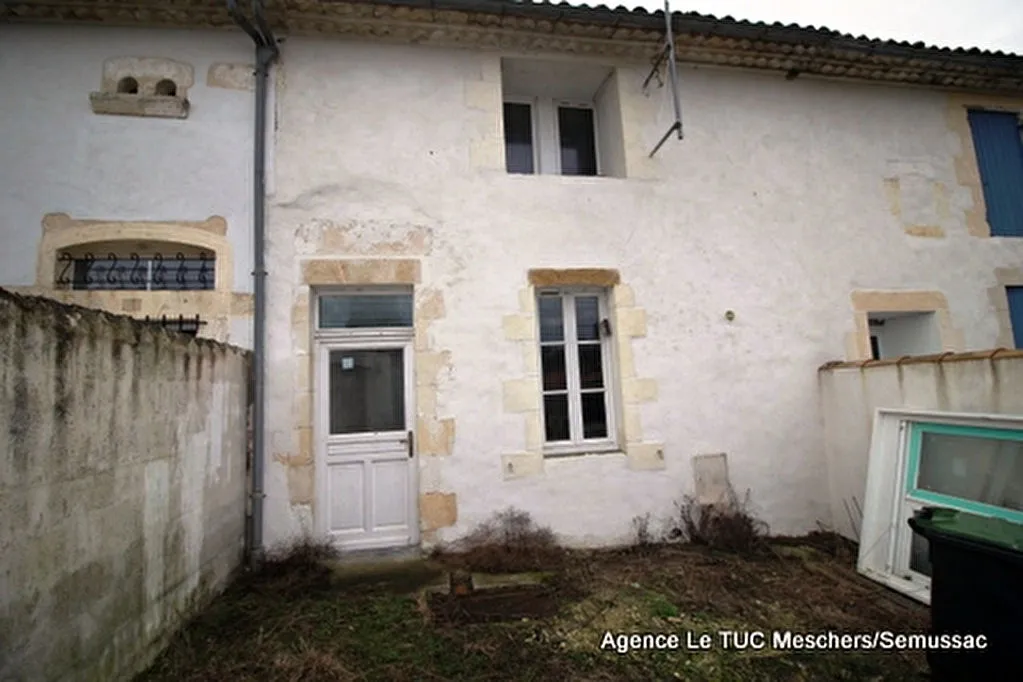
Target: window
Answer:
pixel 137 273
pixel 573 129
pixel 561 118
pixel 996 140
pixel 365 310
pixel 574 359
pixel 1015 296
pixel 970 463
pixel 895 334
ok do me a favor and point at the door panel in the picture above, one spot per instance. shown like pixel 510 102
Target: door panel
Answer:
pixel 365 411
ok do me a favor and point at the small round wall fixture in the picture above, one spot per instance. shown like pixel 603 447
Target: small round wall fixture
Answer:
pixel 729 315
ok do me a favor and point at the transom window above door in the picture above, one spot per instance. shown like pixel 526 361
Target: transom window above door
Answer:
pixel 365 309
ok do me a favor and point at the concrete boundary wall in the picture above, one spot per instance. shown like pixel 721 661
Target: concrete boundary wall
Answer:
pixel 123 452
pixel 982 382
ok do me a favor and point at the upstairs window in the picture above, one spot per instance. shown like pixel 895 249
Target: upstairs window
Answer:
pixel 996 140
pixel 561 118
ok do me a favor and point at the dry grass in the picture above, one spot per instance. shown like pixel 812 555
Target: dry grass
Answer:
pixel 298 620
pixel 729 525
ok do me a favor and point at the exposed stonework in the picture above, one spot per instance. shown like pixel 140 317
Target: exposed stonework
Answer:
pixel 154 106
pixel 437 510
pixel 865 302
pixel 966 170
pixel 231 76
pixel 522 395
pixel 916 198
pixel 360 271
pixel 143 86
pixel 435 434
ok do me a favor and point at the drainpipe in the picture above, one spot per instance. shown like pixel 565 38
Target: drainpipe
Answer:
pixel 266 54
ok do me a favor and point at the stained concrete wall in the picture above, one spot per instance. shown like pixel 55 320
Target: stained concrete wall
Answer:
pixel 784 197
pixel 122 487
pixel 985 383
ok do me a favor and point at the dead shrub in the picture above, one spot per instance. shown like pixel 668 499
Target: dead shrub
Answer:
pixel 729 525
pixel 297 565
pixel 644 539
pixel 509 542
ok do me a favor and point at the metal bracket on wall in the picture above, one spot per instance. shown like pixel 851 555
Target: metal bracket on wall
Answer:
pixel 668 53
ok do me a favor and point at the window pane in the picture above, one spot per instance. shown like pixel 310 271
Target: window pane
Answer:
pixel 367 391
pixel 972 468
pixel 551 325
pixel 173 274
pixel 594 415
pixel 578 145
pixel 555 417
pixel 391 310
pixel 108 274
pixel 587 318
pixel 552 359
pixel 518 137
pixel 591 370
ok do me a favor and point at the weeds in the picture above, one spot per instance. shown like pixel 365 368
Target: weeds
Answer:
pixel 729 525
pixel 508 542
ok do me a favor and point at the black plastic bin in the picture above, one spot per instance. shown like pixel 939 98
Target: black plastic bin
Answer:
pixel 976 589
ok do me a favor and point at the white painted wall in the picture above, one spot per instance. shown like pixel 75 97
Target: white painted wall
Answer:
pixel 915 334
pixel 773 207
pixel 851 397
pixel 57 156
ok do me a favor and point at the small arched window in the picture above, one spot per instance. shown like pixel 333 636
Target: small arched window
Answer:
pixel 166 88
pixel 128 86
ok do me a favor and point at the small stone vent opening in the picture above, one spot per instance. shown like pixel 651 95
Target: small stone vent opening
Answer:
pixel 128 86
pixel 166 88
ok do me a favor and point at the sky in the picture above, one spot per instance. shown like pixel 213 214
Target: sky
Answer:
pixel 987 24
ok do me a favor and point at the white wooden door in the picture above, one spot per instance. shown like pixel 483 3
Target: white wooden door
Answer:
pixel 365 420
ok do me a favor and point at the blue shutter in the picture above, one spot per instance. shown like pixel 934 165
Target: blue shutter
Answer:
pixel 996 138
pixel 1015 295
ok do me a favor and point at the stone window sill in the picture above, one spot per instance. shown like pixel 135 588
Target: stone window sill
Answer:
pixel 152 106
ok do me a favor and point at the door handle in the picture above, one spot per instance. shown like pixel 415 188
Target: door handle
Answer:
pixel 411 444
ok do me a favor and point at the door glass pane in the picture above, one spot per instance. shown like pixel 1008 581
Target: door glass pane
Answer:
pixel 552 358
pixel 974 468
pixel 578 144
pixel 587 318
pixel 518 137
pixel 594 415
pixel 367 391
pixel 551 325
pixel 555 417
pixel 591 370
pixel 390 310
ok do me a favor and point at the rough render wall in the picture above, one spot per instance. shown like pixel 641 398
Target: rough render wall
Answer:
pixel 742 245
pixel 850 397
pixel 122 487
pixel 66 160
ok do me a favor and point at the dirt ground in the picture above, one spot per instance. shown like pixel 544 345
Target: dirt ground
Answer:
pixel 305 620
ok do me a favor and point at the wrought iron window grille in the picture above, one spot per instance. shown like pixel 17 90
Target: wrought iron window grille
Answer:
pixel 158 272
pixel 185 325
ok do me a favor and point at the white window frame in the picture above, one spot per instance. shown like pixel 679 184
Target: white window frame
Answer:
pixel 885 537
pixel 557 133
pixel 577 444
pixel 544 118
pixel 365 334
pixel 533 121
